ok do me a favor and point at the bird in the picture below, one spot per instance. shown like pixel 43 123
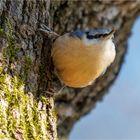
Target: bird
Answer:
pixel 81 56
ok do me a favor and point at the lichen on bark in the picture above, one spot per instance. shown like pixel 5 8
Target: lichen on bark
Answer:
pixel 23 115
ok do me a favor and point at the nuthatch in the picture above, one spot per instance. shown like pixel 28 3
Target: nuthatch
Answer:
pixel 80 57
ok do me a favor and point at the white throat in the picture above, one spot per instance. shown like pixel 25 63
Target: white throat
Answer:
pixel 108 50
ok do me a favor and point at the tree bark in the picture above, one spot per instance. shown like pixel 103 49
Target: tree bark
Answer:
pixel 26 69
pixel 26 111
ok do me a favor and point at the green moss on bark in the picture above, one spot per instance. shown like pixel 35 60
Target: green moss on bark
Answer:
pixel 19 111
pixel 21 114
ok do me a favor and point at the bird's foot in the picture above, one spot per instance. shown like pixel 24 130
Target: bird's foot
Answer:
pixel 45 30
pixel 54 92
pixel 51 92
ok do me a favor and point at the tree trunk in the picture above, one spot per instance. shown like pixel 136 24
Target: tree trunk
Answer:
pixel 26 69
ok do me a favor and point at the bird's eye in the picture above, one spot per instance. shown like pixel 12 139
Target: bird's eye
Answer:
pixel 93 36
pixel 104 35
pixel 90 36
pixel 98 35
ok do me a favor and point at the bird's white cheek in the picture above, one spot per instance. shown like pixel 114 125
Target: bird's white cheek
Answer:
pixel 110 51
pixel 113 53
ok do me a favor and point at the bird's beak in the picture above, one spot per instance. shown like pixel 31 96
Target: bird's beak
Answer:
pixel 110 35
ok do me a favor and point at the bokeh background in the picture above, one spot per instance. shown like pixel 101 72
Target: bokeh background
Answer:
pixel 117 117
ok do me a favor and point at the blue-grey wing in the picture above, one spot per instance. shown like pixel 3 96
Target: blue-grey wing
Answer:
pixel 91 33
pixel 99 31
pixel 77 33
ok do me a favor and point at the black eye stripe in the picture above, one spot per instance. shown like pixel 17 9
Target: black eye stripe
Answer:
pixel 96 36
pixel 105 35
pixel 90 36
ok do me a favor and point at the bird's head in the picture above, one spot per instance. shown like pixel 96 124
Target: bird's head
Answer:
pixel 94 37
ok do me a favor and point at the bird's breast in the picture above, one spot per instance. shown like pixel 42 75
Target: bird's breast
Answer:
pixel 76 65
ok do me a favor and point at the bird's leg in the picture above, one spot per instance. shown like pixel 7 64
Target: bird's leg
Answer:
pixel 61 89
pixel 45 30
pixel 53 92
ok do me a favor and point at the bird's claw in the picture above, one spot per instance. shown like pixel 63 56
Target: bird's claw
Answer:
pixel 43 26
pixel 47 31
pixel 53 92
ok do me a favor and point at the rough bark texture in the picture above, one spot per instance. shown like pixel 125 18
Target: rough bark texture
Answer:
pixel 26 111
pixel 26 71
